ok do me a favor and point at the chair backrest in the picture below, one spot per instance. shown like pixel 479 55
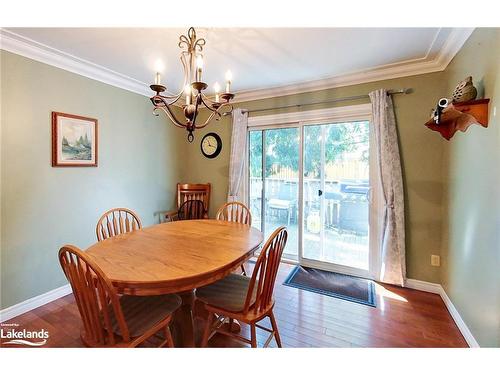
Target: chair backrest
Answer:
pixel 288 191
pixel 236 212
pixel 117 221
pixel 95 297
pixel 186 192
pixel 191 210
pixel 264 274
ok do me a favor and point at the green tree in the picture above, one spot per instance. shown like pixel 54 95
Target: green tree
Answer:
pixel 282 146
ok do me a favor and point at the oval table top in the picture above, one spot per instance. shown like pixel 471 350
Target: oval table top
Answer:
pixel 176 256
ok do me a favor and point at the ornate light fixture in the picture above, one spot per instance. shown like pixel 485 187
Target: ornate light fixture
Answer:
pixel 192 62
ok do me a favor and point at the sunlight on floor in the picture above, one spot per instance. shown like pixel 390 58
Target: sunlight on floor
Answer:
pixel 385 293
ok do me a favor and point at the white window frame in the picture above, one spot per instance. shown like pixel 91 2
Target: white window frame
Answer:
pixel 361 112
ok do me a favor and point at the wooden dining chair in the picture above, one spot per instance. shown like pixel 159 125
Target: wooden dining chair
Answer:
pixel 110 320
pixel 191 210
pixel 186 192
pixel 248 300
pixel 117 221
pixel 236 212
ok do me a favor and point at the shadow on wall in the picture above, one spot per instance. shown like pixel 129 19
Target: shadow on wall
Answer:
pixel 429 191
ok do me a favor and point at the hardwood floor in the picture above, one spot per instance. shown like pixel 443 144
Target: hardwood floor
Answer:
pixel 402 318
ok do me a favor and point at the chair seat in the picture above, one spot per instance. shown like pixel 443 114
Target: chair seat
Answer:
pixel 228 294
pixel 143 312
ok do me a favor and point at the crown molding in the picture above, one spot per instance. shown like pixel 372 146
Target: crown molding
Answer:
pixel 451 46
pixel 31 49
pixel 26 47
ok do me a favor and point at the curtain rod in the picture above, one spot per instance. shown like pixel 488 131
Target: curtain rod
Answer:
pixel 344 99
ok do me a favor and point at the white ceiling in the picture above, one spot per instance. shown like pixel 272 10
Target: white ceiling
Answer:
pixel 260 58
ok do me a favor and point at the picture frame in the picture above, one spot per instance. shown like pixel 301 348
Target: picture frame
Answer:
pixel 74 140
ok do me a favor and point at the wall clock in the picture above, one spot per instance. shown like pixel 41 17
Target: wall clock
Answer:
pixel 211 145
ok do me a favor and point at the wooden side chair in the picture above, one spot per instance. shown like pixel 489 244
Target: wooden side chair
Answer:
pixel 117 221
pixel 191 210
pixel 249 300
pixel 110 320
pixel 186 192
pixel 236 212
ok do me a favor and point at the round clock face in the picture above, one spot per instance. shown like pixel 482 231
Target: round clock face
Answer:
pixel 211 145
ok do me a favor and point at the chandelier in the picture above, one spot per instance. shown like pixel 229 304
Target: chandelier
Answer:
pixel 193 86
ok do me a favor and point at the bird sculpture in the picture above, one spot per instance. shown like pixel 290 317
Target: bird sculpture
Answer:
pixel 464 91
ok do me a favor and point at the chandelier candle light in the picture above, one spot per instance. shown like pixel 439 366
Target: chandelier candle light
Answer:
pixel 193 86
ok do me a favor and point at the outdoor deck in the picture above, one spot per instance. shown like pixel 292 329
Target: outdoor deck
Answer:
pixel 345 248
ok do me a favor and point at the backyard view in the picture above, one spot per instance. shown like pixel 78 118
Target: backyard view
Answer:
pixel 335 189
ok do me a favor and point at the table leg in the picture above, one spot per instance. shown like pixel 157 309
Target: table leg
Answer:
pixel 183 322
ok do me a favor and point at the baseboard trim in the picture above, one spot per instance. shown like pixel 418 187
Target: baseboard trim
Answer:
pixel 32 303
pixel 438 289
pixel 423 286
pixel 466 333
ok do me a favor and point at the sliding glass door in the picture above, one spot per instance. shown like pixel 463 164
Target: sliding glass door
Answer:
pixel 336 188
pixel 274 181
pixel 317 179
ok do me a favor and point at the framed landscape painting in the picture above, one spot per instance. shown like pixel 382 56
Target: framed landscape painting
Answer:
pixel 74 141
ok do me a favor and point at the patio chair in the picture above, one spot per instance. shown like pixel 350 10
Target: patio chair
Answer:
pixel 286 199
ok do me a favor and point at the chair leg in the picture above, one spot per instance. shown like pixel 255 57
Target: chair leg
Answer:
pixel 168 337
pixel 253 335
pixel 243 269
pixel 208 327
pixel 275 329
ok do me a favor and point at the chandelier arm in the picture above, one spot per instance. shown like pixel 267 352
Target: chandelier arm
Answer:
pixel 168 100
pixel 221 105
pixel 171 116
pixel 209 105
pixel 230 109
pixel 218 109
pixel 207 121
pixel 205 99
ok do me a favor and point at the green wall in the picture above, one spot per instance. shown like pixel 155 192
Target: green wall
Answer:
pixel 421 152
pixel 44 207
pixel 471 240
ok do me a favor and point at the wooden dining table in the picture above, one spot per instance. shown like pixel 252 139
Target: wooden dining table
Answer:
pixel 175 257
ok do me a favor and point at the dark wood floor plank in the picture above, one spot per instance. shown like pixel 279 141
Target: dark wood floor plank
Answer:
pixel 402 318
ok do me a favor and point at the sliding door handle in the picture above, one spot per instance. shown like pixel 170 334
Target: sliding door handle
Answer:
pixel 369 195
pixel 320 193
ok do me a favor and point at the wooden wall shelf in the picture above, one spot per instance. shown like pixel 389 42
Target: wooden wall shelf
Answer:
pixel 459 116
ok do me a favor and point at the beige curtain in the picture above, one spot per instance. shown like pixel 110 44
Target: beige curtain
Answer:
pixel 392 249
pixel 238 163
